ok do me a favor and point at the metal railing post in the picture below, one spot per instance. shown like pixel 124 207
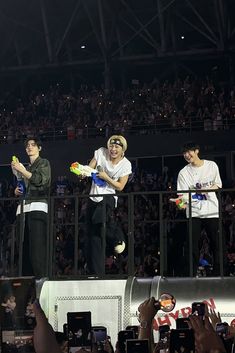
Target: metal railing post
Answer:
pixel 220 235
pixel 103 234
pixel 162 245
pixel 131 258
pixel 190 236
pixel 48 238
pixel 51 236
pixel 76 237
pixel 21 236
pixel 13 240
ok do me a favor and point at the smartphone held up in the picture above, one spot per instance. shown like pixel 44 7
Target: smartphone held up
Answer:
pixel 16 314
pixel 79 331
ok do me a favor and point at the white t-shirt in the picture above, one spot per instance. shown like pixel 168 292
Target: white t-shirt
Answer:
pixel 203 177
pixel 116 171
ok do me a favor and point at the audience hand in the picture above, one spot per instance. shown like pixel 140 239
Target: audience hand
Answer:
pixel 206 340
pixel 108 346
pixel 147 310
pixel 214 318
pixel 43 337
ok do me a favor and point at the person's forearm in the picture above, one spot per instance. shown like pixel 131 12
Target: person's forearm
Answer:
pixel 214 187
pixel 26 174
pixel 147 333
pixel 116 184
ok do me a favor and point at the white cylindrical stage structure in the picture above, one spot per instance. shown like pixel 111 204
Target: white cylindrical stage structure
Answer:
pixel 113 303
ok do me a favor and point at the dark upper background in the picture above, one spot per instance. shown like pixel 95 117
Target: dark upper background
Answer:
pixel 110 43
pixel 42 41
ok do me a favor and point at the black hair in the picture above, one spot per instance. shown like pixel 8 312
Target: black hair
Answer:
pixel 37 141
pixel 190 146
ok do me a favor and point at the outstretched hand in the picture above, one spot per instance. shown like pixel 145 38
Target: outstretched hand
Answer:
pixel 206 339
pixel 214 318
pixel 43 336
pixel 147 310
pixel 16 165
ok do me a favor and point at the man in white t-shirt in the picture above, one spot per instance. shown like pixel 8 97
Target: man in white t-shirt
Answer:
pixel 200 174
pixel 114 168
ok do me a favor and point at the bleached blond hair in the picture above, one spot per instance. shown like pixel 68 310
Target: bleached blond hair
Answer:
pixel 121 139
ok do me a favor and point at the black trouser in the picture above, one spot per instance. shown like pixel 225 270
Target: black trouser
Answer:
pixel 34 257
pixel 211 226
pixel 178 257
pixel 94 242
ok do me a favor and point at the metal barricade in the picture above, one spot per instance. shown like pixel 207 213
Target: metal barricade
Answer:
pixel 150 224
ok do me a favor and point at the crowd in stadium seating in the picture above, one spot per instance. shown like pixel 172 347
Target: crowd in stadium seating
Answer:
pixel 149 108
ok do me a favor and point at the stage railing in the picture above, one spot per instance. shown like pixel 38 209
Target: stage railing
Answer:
pixel 155 231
